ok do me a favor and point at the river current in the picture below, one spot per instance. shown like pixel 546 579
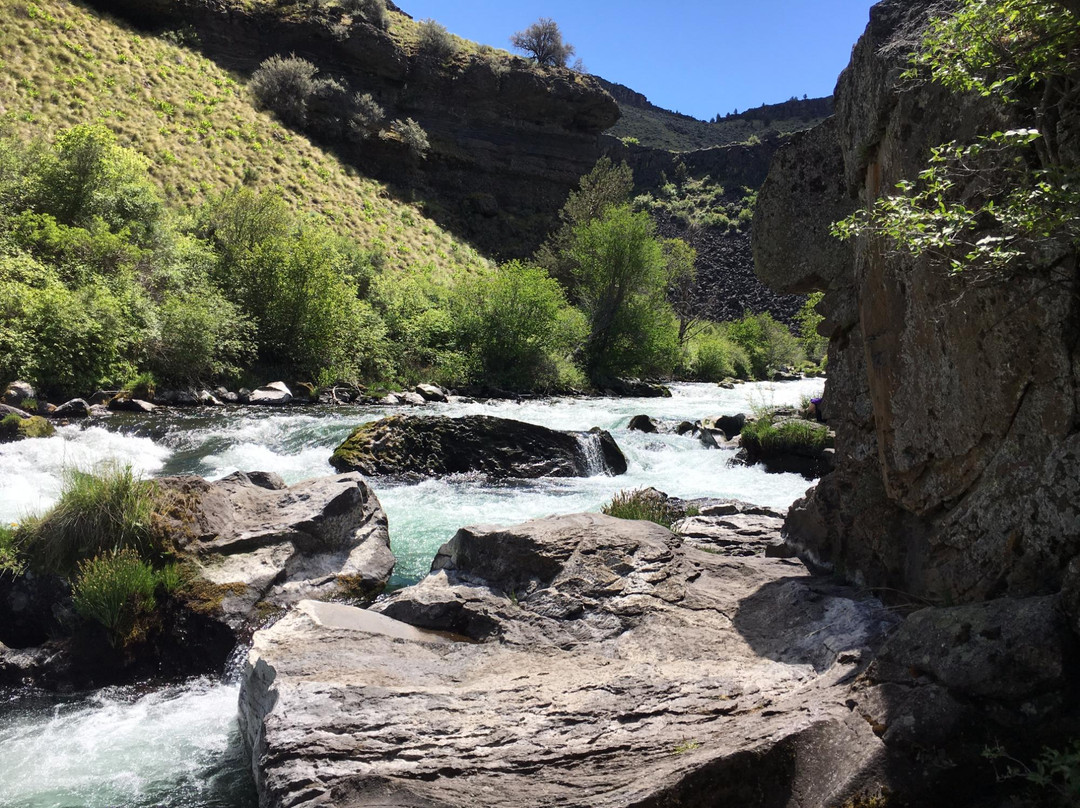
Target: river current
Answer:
pixel 178 747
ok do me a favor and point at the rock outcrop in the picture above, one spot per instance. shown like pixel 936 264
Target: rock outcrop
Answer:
pixel 954 403
pixel 578 660
pixel 415 447
pixel 590 661
pixel 261 545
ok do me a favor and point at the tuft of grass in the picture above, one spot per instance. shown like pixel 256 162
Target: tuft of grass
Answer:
pixel 787 436
pixel 641 504
pixel 117 591
pixel 142 386
pixel 10 560
pixel 97 513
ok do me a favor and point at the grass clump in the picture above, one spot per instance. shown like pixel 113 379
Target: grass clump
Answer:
pixel 98 513
pixel 764 437
pixel 10 561
pixel 642 504
pixel 116 590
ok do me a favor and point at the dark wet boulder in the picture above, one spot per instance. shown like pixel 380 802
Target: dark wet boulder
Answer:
pixel 642 423
pixel 17 393
pixel 416 447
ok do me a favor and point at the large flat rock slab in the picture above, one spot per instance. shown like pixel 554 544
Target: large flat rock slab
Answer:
pixel 579 660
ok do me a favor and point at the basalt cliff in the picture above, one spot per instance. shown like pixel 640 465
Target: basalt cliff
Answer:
pixel 955 398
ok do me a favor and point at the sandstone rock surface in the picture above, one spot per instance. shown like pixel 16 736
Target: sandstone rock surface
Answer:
pixel 430 446
pixel 578 660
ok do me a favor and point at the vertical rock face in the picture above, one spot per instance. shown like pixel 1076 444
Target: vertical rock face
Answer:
pixel 954 402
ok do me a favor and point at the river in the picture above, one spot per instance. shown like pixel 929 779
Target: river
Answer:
pixel 178 747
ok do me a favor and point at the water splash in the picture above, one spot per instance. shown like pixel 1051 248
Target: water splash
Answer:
pixel 592 452
pixel 179 746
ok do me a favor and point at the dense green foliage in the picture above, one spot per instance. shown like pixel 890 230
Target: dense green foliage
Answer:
pixel 117 591
pixel 1006 196
pixel 768 344
pixel 97 513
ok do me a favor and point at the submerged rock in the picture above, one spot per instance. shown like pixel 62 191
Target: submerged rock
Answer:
pixel 433 446
pixel 642 423
pixel 578 660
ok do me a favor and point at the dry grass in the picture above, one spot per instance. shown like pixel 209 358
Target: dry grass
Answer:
pixel 62 64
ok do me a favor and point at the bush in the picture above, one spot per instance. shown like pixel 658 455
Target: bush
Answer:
pixel 202 336
pixel 715 357
pixel 762 436
pixel 374 11
pixel 117 591
pixel 768 344
pixel 543 41
pixel 412 135
pixel 515 322
pixel 286 85
pixel 643 504
pixel 367 115
pixel 435 41
pixel 808 319
pixel 97 513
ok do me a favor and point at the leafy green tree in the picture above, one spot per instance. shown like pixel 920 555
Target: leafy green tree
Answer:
pixel 517 323
pixel 621 281
pixel 87 176
pixel 768 344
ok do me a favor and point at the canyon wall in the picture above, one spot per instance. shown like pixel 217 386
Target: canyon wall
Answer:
pixel 954 396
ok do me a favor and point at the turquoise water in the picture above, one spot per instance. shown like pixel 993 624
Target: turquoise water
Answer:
pixel 179 747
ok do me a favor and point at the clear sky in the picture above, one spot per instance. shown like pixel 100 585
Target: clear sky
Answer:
pixel 699 57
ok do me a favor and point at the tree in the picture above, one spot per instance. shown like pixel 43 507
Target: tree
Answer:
pixel 622 275
pixel 543 41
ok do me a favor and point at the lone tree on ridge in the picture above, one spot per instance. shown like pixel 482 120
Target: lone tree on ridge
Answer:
pixel 543 40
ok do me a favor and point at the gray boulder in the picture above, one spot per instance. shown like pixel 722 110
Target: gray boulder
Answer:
pixel 625 667
pixel 261 545
pixel 18 392
pixel 431 392
pixel 275 394
pixel 75 408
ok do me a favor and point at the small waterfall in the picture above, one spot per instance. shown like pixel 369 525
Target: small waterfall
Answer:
pixel 592 452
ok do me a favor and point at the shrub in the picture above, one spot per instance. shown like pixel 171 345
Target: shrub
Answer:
pixel 412 135
pixel 367 115
pixel 435 41
pixel 97 513
pixel 10 559
pixel 543 41
pixel 202 336
pixel 374 11
pixel 768 344
pixel 515 322
pixel 714 357
pixel 286 85
pixel 643 504
pixel 141 386
pixel 808 319
pixel 117 591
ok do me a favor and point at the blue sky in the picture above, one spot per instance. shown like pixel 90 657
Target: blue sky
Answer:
pixel 694 56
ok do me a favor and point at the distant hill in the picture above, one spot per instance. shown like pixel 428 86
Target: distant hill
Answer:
pixel 660 128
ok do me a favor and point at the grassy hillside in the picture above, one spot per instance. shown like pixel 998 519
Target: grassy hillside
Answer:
pixel 62 64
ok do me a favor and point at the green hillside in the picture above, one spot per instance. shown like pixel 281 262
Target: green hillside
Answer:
pixel 62 64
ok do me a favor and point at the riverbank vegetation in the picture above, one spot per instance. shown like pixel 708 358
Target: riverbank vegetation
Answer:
pixel 168 233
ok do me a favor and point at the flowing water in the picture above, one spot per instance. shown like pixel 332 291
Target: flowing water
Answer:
pixel 178 747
